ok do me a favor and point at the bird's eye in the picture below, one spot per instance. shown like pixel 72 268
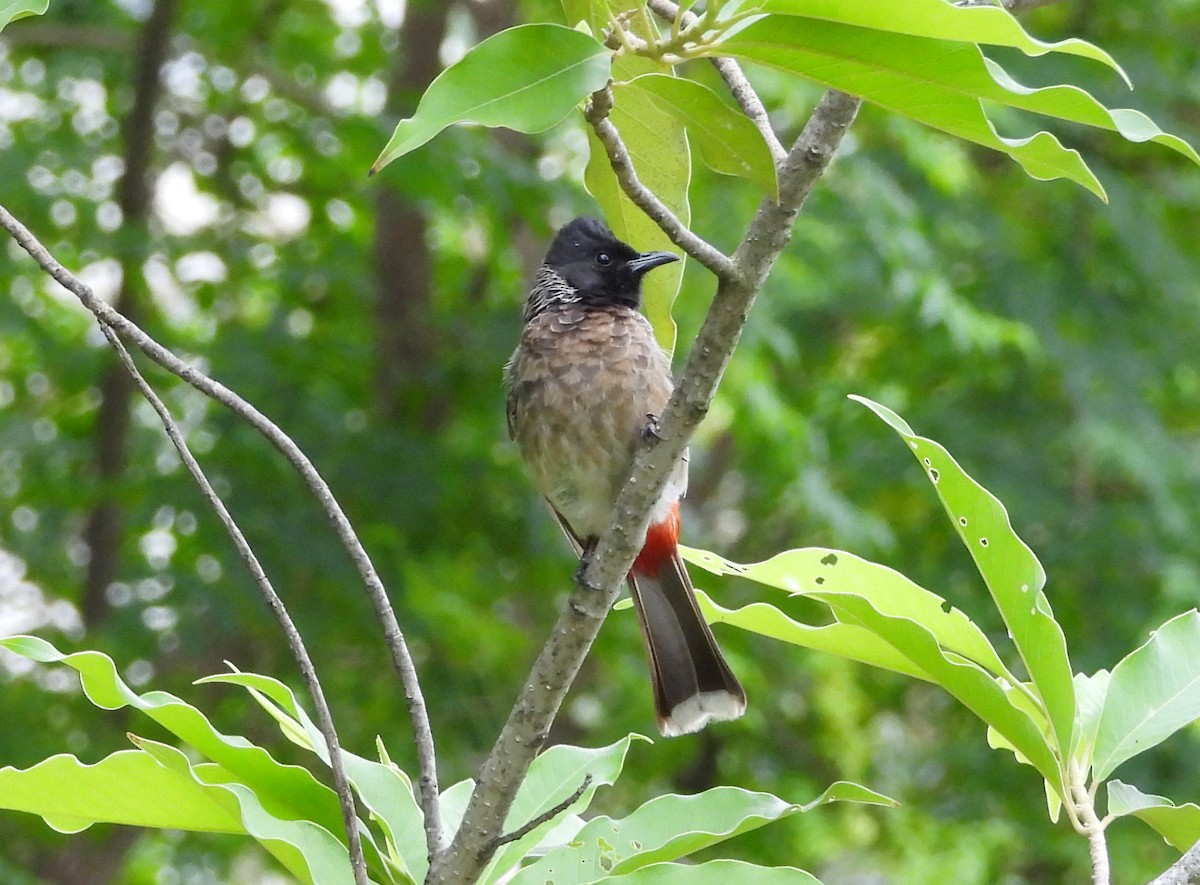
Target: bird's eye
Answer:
pixel 603 258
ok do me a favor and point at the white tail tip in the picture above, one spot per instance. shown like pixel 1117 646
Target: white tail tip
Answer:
pixel 699 710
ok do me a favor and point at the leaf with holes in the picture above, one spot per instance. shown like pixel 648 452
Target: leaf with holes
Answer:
pixel 525 78
pixel 1152 693
pixel 1012 573
pixel 944 644
pixel 810 570
pixel 846 640
pixel 553 777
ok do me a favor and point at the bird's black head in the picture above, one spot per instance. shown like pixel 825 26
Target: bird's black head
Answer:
pixel 599 267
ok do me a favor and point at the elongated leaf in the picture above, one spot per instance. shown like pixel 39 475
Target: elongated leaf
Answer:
pixel 715 872
pixel 128 787
pixel 526 78
pixel 1179 825
pixel 846 640
pixel 974 688
pixel 658 148
pixel 156 786
pixel 1152 693
pixel 936 82
pixel 810 570
pixel 728 142
pixel 11 10
pixel 307 849
pixel 388 792
pixel 937 19
pixel 280 786
pixel 1077 106
pixel 1012 573
pixel 670 827
pixel 384 789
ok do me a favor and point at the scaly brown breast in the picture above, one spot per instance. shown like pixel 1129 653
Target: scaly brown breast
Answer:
pixel 581 385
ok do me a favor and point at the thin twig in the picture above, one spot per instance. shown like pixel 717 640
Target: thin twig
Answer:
pixel 554 670
pixel 307 671
pixel 598 108
pixel 550 814
pixel 402 661
pixel 731 72
pixel 743 93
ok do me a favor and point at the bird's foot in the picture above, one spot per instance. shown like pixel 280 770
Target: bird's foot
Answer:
pixel 585 559
pixel 650 431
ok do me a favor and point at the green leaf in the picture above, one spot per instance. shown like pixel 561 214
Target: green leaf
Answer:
pixel 658 149
pixel 129 787
pixel 670 827
pixel 1013 575
pixel 285 792
pixel 728 142
pixel 384 789
pixel 307 849
pixel 809 570
pixel 388 792
pixel 11 10
pixel 936 82
pixel 525 78
pixel 1077 106
pixel 846 640
pixel 156 786
pixel 715 872
pixel 987 697
pixel 1089 703
pixel 1179 825
pixel 552 778
pixel 1152 693
pixel 939 20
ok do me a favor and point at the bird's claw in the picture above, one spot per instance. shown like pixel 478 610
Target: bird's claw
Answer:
pixel 651 428
pixel 581 578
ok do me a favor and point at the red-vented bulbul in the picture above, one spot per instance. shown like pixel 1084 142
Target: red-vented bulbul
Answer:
pixel 584 384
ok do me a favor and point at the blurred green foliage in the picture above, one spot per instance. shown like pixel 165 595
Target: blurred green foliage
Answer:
pixel 1048 340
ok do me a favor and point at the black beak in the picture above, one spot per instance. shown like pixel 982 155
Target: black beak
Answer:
pixel 650 260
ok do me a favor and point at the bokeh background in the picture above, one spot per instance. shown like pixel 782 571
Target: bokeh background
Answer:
pixel 203 166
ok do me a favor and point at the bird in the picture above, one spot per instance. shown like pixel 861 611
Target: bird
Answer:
pixel 586 382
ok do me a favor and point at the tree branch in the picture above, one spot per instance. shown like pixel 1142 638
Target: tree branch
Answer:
pixel 402 661
pixel 560 659
pixel 598 108
pixel 307 671
pixel 1185 871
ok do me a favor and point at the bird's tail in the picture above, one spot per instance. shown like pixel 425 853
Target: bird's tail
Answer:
pixel 692 683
